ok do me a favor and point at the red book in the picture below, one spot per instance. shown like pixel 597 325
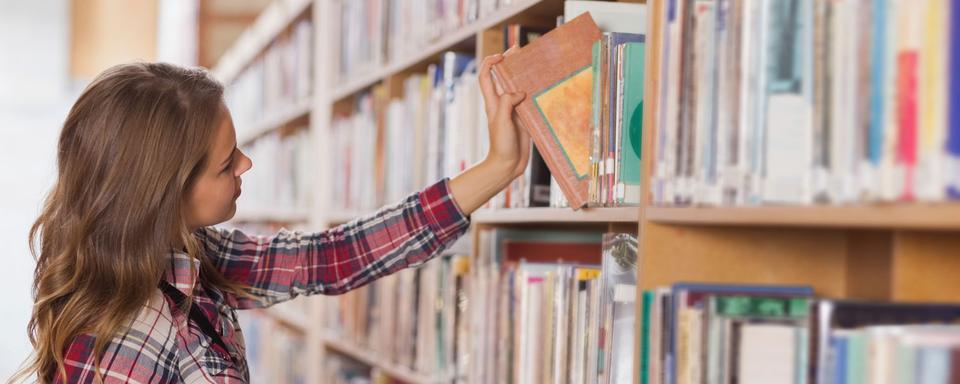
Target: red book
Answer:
pixel 554 71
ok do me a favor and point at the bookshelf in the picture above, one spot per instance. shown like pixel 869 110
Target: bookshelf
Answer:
pixel 555 216
pixel 297 113
pixel 899 252
pixel 387 368
pixel 936 217
pixel 518 8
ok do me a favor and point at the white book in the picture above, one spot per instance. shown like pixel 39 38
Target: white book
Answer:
pixel 767 354
pixel 610 16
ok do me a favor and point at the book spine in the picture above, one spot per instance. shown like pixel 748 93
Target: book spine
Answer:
pixel 953 136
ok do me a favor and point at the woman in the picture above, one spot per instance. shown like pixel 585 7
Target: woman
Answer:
pixel 133 285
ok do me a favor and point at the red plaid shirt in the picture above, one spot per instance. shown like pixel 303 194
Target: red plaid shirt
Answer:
pixel 162 344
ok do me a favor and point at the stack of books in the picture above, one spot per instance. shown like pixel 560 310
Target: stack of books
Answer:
pixel 712 333
pixel 800 102
pixel 534 306
pixel 584 106
pixel 390 147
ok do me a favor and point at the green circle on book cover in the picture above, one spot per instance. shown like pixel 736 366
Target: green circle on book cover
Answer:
pixel 636 129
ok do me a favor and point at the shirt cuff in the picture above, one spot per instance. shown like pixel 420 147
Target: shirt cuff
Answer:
pixel 444 216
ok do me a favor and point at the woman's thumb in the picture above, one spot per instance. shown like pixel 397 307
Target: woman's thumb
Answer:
pixel 515 98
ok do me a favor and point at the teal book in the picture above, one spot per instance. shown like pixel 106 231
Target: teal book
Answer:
pixel 646 304
pixel 857 358
pixel 631 132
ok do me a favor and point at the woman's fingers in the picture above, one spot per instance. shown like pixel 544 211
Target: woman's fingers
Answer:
pixel 487 88
pixel 505 108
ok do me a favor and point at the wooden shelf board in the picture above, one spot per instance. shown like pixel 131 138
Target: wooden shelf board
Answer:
pixel 944 216
pixel 274 121
pixel 556 215
pixel 352 86
pixel 367 357
pixel 278 216
pixel 268 26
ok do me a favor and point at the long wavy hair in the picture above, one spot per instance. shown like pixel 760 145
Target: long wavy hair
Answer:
pixel 130 150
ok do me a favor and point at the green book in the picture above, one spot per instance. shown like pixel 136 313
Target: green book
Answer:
pixel 857 358
pixel 628 190
pixel 755 306
pixel 646 304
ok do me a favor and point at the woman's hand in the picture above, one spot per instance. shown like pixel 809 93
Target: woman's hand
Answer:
pixel 509 146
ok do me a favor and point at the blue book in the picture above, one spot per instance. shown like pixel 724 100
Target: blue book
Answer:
pixel 953 135
pixel 700 289
pixel 878 90
pixel 838 367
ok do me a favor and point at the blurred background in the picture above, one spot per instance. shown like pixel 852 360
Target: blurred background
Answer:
pixel 49 50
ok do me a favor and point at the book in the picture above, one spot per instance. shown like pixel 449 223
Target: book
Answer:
pixel 630 121
pixel 610 16
pixel 953 136
pixel 618 304
pixel 554 72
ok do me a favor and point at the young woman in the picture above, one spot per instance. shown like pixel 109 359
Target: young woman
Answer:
pixel 134 285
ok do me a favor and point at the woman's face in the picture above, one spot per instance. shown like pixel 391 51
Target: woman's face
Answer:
pixel 213 199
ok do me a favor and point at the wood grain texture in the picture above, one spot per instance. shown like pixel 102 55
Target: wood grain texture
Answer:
pixel 926 266
pixel 671 254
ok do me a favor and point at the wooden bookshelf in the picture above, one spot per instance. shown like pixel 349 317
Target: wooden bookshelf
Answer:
pixel 296 113
pixel 556 215
pixel 893 216
pixel 275 19
pixel 349 87
pixel 890 251
pixel 370 358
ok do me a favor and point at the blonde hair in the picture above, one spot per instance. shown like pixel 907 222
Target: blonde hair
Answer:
pixel 130 150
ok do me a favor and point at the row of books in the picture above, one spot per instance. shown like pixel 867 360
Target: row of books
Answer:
pixel 708 333
pixel 534 306
pixel 584 111
pixel 392 146
pixel 437 128
pixel 389 147
pixel 800 102
pixel 408 318
pixel 281 76
pixel 282 176
pixel 374 32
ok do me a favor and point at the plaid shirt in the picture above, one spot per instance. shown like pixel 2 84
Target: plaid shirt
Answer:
pixel 162 344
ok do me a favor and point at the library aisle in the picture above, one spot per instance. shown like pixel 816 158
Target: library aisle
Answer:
pixel 718 191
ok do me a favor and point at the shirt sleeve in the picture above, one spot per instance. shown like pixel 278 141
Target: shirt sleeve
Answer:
pixel 331 262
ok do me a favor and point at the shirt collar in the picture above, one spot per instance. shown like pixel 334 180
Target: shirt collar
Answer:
pixel 181 273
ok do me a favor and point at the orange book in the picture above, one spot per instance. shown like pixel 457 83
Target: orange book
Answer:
pixel 554 72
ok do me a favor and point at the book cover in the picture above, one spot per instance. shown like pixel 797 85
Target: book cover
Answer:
pixel 953 137
pixel 554 72
pixel 537 176
pixel 632 123
pixel 612 103
pixel 610 16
